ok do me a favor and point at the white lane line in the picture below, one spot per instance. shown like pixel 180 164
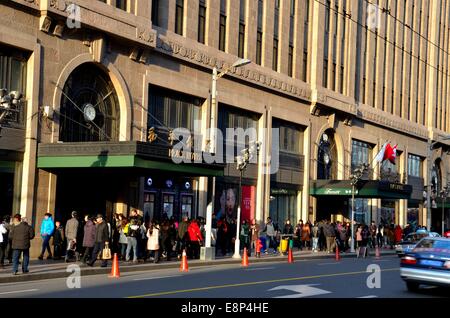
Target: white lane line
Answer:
pixel 259 269
pixel 160 277
pixel 370 296
pixel 19 291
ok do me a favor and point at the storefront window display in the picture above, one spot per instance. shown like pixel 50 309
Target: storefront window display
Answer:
pixel 387 212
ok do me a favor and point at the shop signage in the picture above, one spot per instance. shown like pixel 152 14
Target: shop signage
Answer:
pixel 186 155
pixel 330 191
pixel 283 192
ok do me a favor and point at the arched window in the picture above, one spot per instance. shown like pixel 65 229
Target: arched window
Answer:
pixel 89 107
pixel 327 157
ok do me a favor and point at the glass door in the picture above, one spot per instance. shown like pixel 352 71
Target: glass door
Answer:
pixel 149 206
pixel 186 205
pixel 168 203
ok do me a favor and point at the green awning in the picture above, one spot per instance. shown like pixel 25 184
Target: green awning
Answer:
pixel 124 161
pixel 366 189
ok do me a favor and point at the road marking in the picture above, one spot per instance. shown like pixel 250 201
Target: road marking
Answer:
pixel 19 291
pixel 160 277
pixel 259 269
pixel 328 263
pixel 370 296
pixel 301 291
pixel 254 283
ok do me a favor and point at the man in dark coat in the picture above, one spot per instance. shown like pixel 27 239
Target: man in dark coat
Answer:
pixel 71 236
pixel 21 234
pixel 101 238
pixel 88 238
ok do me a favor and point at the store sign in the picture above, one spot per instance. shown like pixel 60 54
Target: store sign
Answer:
pixel 330 191
pixel 178 154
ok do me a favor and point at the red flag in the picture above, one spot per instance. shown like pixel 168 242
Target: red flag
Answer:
pixel 390 153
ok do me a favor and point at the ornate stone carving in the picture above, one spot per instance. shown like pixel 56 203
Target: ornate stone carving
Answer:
pixel 145 35
pixel 46 23
pixel 173 48
pixel 98 49
pixel 59 5
pixel 134 54
pixel 59 29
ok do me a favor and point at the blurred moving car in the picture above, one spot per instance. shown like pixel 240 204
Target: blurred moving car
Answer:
pixel 428 263
pixel 447 234
pixel 410 241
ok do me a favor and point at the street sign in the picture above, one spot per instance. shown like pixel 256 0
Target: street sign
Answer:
pixel 301 291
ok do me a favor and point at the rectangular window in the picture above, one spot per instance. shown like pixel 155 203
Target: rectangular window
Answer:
pixel 275 55
pixel 242 16
pixel 325 73
pixel 168 200
pixel 222 25
pixel 241 40
pixel 179 14
pixel 259 34
pixel 13 69
pixel 415 166
pixel 201 21
pixel 258 47
pixel 305 66
pixel 305 41
pixel 290 60
pixel 121 4
pixel 169 109
pixel 155 12
pixel 361 153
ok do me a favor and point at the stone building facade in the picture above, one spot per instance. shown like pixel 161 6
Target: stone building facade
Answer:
pixel 346 69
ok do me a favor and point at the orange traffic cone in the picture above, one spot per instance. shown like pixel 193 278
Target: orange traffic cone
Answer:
pixel 290 256
pixel 184 264
pixel 338 256
pixel 377 252
pixel 245 258
pixel 115 273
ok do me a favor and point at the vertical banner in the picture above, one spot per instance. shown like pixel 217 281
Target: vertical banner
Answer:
pixel 248 203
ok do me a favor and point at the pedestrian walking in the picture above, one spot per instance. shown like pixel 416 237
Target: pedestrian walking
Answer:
pixel 315 237
pixel 306 232
pixel 101 240
pixel 21 234
pixel 153 241
pixel 298 234
pixel 195 239
pixel 123 241
pixel 330 235
pixel 182 236
pixel 88 238
pixel 245 237
pixel 71 236
pixel 58 241
pixel 380 236
pixel 3 241
pixel 222 234
pixel 47 228
pixel 254 232
pixel 269 229
pixel 132 236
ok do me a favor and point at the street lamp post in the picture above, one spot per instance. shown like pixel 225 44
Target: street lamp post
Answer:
pixel 242 162
pixel 212 141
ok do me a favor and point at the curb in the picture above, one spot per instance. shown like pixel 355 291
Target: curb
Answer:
pixel 86 271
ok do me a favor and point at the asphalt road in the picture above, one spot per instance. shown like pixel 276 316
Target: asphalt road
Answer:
pixel 305 278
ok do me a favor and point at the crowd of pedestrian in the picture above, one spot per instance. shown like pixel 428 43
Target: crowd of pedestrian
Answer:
pixel 137 240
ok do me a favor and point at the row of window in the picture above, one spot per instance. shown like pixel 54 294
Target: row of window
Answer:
pixel 169 110
pixel 362 153
pixel 304 5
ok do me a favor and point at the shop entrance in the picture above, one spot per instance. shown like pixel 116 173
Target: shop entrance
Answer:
pixel 6 193
pixel 93 192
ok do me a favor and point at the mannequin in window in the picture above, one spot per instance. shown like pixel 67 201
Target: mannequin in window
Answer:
pixel 325 159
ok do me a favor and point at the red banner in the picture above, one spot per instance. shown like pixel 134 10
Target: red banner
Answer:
pixel 248 203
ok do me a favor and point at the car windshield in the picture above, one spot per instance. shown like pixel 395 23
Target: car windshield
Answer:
pixel 435 244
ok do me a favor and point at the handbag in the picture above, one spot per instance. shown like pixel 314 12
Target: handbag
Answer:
pixel 106 253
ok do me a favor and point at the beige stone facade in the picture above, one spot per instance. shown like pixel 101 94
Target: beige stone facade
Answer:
pixel 134 53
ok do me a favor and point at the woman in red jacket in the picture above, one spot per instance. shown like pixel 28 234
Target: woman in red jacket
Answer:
pixel 398 234
pixel 195 239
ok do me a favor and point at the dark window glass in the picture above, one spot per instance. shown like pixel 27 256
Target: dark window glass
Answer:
pixel 201 22
pixel 241 40
pixel 290 60
pixel 155 12
pixel 179 13
pixel 121 4
pixel 305 66
pixel 222 32
pixel 414 166
pixel 275 55
pixel 258 47
pixel 361 153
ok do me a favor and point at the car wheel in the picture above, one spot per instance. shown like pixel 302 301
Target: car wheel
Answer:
pixel 412 287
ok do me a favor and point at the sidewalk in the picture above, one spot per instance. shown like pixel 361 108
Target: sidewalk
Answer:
pixel 48 269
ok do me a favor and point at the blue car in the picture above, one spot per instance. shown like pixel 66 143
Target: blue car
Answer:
pixel 428 264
